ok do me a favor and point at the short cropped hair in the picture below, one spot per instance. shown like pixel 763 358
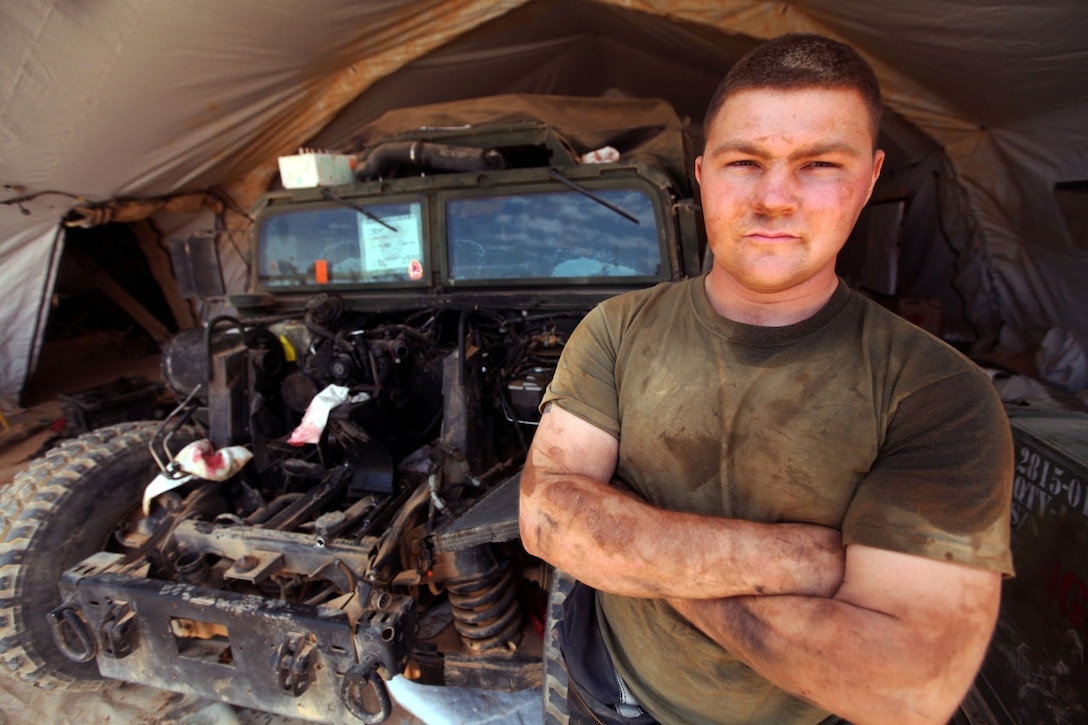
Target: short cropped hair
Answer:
pixel 801 60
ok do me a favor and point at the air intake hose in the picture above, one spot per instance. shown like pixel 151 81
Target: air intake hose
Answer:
pixel 434 156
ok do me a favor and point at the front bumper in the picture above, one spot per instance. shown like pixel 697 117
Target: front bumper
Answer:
pixel 309 662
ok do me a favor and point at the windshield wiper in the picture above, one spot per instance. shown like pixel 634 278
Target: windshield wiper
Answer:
pixel 333 196
pixel 595 197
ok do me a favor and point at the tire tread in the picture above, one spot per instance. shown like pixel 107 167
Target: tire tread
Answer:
pixel 27 507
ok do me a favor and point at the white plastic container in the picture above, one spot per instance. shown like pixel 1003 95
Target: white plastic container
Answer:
pixel 310 170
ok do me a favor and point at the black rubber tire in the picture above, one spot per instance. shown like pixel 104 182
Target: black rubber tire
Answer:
pixel 555 667
pixel 60 510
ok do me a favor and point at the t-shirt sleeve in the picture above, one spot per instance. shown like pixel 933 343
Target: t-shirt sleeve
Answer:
pixel 585 379
pixel 941 486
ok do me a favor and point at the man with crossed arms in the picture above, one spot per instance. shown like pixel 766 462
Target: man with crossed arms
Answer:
pixel 791 503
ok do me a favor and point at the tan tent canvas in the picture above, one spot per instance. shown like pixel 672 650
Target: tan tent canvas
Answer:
pixel 122 99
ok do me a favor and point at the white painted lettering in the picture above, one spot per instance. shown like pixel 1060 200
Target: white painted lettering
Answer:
pixel 1073 492
pixel 1020 488
pixel 1040 498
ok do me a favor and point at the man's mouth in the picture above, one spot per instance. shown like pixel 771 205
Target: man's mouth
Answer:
pixel 770 237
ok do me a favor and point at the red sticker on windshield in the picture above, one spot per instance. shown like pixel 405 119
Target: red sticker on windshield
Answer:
pixel 415 270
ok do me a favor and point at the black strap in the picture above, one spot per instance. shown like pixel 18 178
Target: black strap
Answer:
pixel 589 666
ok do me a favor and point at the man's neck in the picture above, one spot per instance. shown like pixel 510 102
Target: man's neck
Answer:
pixel 768 309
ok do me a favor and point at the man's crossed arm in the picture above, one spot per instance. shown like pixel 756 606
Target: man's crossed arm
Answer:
pixel 872 635
pixel 614 542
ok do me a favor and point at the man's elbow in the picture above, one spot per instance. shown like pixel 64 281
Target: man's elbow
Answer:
pixel 944 693
pixel 530 531
pixel 935 705
pixel 956 663
pixel 928 702
pixel 938 684
pixel 532 524
pixel 923 678
pixel 533 520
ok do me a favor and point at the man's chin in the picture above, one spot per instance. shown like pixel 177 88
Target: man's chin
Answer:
pixel 781 281
pixel 770 283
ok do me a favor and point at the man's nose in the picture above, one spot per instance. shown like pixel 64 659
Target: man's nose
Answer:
pixel 775 192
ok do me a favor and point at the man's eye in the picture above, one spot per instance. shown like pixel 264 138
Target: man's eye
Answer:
pixel 742 162
pixel 823 165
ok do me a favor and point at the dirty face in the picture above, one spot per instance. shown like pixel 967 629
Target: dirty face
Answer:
pixel 784 176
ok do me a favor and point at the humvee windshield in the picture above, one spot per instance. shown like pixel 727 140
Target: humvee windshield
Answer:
pixel 544 236
pixel 341 245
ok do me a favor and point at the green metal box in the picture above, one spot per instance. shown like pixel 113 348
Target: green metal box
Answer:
pixel 1035 669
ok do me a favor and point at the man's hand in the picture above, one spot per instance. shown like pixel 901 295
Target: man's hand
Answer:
pixel 613 542
pixel 900 642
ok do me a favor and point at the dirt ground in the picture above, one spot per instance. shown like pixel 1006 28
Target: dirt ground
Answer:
pixel 76 364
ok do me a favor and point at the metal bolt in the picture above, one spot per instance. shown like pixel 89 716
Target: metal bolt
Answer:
pixel 246 563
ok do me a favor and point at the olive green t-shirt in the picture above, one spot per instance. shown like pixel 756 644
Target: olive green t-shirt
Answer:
pixel 852 418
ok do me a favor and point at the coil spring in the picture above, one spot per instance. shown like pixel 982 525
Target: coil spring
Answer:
pixel 485 609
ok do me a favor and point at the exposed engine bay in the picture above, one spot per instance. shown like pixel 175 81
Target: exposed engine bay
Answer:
pixel 443 401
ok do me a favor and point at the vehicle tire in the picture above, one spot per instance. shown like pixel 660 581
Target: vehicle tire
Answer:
pixel 555 667
pixel 58 511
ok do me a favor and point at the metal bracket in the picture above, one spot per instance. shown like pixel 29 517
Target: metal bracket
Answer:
pixel 294 664
pixel 255 566
pixel 119 632
pixel 385 632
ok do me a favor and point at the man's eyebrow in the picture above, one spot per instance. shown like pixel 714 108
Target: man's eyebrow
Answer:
pixel 748 149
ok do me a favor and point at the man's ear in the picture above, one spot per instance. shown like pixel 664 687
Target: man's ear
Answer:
pixel 878 164
pixel 699 169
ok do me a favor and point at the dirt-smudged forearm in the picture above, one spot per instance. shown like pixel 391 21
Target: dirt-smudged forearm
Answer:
pixel 909 664
pixel 808 647
pixel 615 542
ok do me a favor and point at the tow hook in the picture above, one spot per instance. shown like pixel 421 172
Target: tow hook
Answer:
pixel 353 689
pixel 71 634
